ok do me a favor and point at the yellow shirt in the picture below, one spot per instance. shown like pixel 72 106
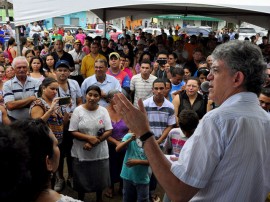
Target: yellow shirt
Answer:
pixel 88 64
pixel 176 38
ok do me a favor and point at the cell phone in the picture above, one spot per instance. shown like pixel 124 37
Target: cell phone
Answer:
pixel 162 61
pixel 64 100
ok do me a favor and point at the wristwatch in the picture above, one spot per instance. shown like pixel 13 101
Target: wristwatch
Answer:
pixel 140 141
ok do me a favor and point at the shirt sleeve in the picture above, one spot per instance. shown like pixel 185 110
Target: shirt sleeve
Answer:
pixel 8 93
pixel 171 119
pixel 83 67
pixel 132 84
pixel 126 81
pixel 78 90
pixel 118 86
pixel 83 89
pixel 74 120
pixel 126 137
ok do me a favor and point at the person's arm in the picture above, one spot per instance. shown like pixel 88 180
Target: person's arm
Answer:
pixel 93 140
pixel 135 162
pixel 113 141
pixel 124 144
pixel 164 134
pixel 176 104
pixel 38 112
pixel 105 135
pixel 13 52
pixel 5 118
pixel 18 104
pixel 136 120
pixel 168 72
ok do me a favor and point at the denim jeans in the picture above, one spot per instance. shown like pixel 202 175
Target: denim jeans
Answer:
pixel 133 192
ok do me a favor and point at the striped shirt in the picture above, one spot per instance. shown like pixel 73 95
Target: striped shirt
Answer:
pixel 159 117
pixel 228 156
pixel 15 90
pixel 142 88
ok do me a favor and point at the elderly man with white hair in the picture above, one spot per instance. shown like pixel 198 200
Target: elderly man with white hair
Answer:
pixel 19 92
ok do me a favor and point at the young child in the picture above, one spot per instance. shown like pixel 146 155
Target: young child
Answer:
pixel 134 170
pixel 188 121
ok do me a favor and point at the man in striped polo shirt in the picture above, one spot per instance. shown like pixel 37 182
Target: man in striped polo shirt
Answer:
pixel 160 113
pixel 141 84
pixel 19 92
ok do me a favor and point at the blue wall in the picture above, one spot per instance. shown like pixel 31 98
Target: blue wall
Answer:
pixel 81 15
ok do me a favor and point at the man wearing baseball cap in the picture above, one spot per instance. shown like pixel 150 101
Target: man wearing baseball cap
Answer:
pixel 77 55
pixel 115 71
pixel 67 88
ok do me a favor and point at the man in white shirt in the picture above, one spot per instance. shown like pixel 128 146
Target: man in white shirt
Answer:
pixel 227 158
pixel 141 84
pixel 35 29
pixel 77 55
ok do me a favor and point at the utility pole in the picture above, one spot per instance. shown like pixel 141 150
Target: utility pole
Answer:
pixel 6 8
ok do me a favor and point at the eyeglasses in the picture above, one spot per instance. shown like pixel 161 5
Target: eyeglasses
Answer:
pixel 264 103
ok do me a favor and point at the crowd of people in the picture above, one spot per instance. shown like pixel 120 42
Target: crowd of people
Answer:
pixel 114 108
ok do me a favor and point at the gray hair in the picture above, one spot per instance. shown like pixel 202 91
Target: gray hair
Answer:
pixel 19 58
pixel 111 93
pixel 245 57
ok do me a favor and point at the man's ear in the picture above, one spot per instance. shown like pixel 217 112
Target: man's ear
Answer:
pixel 239 78
pixel 49 164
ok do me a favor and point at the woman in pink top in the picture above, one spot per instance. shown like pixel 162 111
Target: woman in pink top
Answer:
pixel 86 46
pixel 81 36
pixel 128 66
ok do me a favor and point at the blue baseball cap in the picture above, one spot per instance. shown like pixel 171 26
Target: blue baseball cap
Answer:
pixel 62 63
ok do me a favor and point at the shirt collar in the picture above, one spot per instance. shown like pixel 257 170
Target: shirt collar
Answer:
pixel 147 80
pixel 241 97
pixel 104 82
pixel 16 80
pixel 153 104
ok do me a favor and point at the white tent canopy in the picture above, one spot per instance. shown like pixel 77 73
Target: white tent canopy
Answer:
pixel 255 12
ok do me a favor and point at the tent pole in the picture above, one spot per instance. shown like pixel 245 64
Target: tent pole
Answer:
pixel 104 21
pixel 18 42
